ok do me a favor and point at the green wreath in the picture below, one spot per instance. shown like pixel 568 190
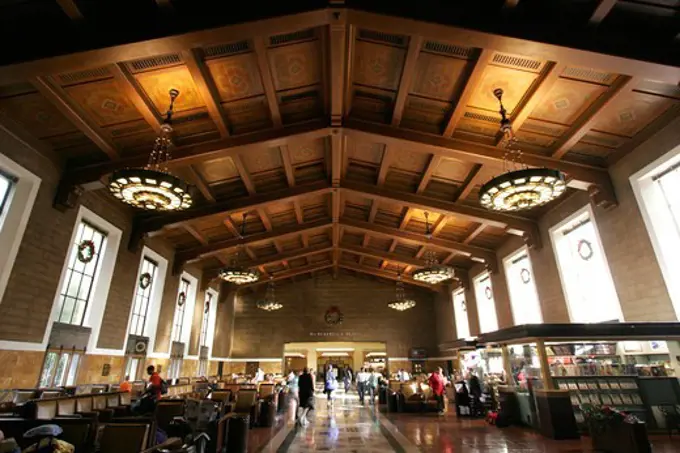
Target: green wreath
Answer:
pixel 86 251
pixel 585 249
pixel 334 316
pixel 182 298
pixel 525 275
pixel 145 280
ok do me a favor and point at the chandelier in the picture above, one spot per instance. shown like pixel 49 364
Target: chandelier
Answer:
pixel 153 188
pixel 519 188
pixel 235 273
pixel 400 302
pixel 433 273
pixel 269 302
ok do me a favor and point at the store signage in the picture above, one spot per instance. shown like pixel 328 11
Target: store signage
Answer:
pixel 332 334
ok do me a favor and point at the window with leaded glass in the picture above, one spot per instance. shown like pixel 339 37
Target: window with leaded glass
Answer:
pixel 182 295
pixel 486 307
pixel 586 280
pixel 6 183
pixel 206 318
pixel 145 284
pixel 526 308
pixel 59 369
pixel 460 314
pixel 83 263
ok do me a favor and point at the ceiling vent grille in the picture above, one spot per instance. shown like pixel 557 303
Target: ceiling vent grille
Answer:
pixel 449 49
pixel 517 62
pixel 161 61
pixel 87 75
pixel 387 38
pixel 286 38
pixel 194 117
pixel 589 75
pixel 222 50
pixel 299 96
pixel 480 117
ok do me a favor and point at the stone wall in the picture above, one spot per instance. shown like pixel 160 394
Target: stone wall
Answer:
pixel 362 301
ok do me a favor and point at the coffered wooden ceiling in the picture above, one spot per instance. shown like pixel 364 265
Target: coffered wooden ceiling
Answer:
pixel 335 130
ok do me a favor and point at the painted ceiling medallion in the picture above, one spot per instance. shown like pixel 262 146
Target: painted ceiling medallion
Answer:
pixel 153 188
pixel 519 188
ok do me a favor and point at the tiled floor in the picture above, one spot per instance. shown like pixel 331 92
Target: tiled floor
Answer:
pixel 349 427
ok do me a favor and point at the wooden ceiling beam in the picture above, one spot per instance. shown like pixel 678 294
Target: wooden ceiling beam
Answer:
pixel 206 88
pixel 622 85
pixel 545 82
pixel 200 183
pixel 338 66
pixel 128 85
pixel 299 213
pixel 473 178
pixel 385 274
pixel 466 151
pixel 194 232
pixel 217 247
pixel 70 8
pixel 420 239
pixel 374 211
pixel 429 171
pixel 290 274
pixel 440 224
pixel 59 98
pixel 244 174
pixel 410 63
pixel 225 208
pixel 474 233
pixel 276 259
pixel 231 227
pixel 267 82
pixel 384 256
pixel 601 11
pixel 287 165
pixel 227 147
pixel 516 225
pixel 471 86
pixel 488 40
pixel 264 218
pixel 448 259
pixel 387 157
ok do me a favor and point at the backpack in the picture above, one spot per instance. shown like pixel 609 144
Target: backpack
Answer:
pixel 164 387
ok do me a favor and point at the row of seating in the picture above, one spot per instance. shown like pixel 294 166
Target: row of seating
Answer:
pixel 412 396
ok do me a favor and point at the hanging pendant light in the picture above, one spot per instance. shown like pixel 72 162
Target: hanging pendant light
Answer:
pixel 235 273
pixel 433 273
pixel 269 303
pixel 400 302
pixel 520 188
pixel 153 188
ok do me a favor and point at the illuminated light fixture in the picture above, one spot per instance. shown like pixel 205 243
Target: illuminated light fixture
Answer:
pixel 401 302
pixel 269 302
pixel 335 354
pixel 153 188
pixel 376 354
pixel 519 188
pixel 235 273
pixel 433 273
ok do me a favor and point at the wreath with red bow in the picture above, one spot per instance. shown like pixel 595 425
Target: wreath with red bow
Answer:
pixel 334 316
pixel 86 251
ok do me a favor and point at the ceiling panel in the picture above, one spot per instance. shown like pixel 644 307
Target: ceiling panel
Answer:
pixel 236 77
pixel 157 84
pixel 295 65
pixel 515 84
pixel 104 102
pixel 36 114
pixel 439 77
pixel 377 65
pixel 262 161
pixel 631 113
pixel 566 101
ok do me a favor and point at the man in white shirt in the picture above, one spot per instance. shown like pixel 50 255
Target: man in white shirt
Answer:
pixel 362 381
pixel 404 376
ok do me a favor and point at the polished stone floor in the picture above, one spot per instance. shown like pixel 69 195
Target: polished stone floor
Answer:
pixel 349 427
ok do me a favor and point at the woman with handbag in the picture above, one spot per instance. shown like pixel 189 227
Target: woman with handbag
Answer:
pixel 330 384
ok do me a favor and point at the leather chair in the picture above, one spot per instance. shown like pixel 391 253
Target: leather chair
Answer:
pixel 246 404
pixel 124 438
pixel 166 411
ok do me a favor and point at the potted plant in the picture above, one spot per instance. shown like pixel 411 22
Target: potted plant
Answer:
pixel 615 431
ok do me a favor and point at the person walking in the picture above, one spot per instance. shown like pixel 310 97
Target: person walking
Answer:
pixel 436 382
pixel 330 384
pixel 372 384
pixel 347 379
pixel 305 386
pixel 362 383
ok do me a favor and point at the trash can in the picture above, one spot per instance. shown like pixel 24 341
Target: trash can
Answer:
pixel 382 395
pixel 267 413
pixel 392 402
pixel 237 433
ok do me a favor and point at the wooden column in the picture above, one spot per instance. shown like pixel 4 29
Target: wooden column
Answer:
pixel 545 367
